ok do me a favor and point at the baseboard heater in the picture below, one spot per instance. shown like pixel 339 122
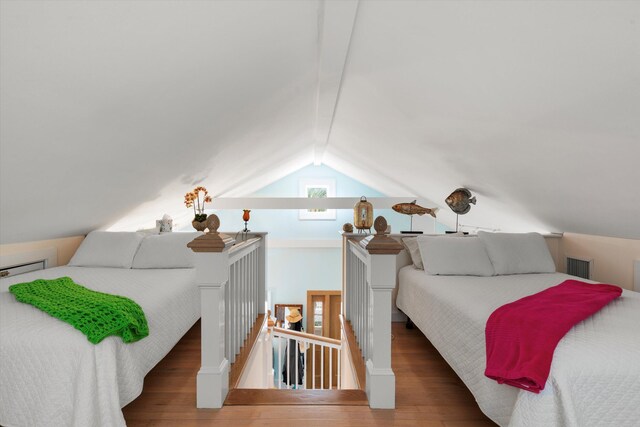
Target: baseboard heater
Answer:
pixel 20 269
pixel 31 260
pixel 582 268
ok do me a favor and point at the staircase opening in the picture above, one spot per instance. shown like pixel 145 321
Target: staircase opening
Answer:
pixel 288 365
pixel 233 298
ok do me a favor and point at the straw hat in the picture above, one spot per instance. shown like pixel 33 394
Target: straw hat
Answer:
pixel 294 315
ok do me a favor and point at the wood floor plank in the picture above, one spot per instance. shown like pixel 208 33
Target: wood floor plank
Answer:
pixel 428 393
pixel 247 396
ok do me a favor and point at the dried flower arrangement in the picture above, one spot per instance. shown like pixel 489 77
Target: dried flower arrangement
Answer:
pixel 195 200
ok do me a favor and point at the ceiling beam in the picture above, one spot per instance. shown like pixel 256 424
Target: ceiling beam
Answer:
pixel 336 20
pixel 304 202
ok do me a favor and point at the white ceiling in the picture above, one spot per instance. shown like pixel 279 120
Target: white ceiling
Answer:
pixel 111 110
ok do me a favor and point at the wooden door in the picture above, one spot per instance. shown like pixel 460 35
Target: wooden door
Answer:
pixel 324 308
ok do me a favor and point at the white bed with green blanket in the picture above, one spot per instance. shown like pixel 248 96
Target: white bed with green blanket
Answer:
pixel 51 375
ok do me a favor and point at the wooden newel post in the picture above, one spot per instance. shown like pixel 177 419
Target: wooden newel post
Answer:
pixel 381 276
pixel 212 275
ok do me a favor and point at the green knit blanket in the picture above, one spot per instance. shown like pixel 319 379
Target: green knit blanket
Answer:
pixel 95 314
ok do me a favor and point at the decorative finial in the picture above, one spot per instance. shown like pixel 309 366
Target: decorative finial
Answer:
pixel 211 241
pixel 380 244
pixel 380 225
pixel 213 223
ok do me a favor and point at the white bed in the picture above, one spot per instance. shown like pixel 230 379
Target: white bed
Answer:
pixel 595 374
pixel 51 375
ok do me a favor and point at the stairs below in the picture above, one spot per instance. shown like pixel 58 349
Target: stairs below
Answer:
pixel 272 396
pixel 250 396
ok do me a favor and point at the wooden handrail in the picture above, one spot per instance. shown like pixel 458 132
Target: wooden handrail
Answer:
pixel 354 352
pixel 245 351
pixel 307 336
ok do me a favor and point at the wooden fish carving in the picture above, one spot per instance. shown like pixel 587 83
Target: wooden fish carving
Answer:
pixel 413 209
pixel 460 201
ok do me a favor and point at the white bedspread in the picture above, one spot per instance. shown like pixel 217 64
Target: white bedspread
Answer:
pixel 595 374
pixel 51 375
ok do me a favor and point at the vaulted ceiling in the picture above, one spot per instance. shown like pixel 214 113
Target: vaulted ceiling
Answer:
pixel 110 111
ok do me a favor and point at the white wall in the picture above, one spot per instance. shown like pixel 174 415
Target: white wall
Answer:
pixel 65 248
pixel 613 259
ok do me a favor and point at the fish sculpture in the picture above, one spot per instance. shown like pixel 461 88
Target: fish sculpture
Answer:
pixel 460 201
pixel 413 209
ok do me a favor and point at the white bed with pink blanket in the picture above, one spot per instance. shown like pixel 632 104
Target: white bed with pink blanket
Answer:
pixel 595 373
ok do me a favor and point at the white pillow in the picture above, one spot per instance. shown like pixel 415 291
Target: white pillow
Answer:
pixel 107 249
pixel 454 256
pixel 411 243
pixel 166 250
pixel 518 253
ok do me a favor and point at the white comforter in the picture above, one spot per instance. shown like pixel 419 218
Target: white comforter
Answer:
pixel 595 374
pixel 51 375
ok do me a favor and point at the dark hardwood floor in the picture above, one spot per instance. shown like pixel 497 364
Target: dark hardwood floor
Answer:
pixel 428 393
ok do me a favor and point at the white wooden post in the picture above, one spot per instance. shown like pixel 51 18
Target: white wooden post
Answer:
pixel 262 275
pixel 381 277
pixel 212 276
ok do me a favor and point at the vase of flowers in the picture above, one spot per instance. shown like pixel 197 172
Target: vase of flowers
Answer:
pixel 196 200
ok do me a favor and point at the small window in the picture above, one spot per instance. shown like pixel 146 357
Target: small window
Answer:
pixel 317 189
pixel 317 317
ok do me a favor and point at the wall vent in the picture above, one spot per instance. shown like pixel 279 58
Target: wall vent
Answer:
pixel 580 267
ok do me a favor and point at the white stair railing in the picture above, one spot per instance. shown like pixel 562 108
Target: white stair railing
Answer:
pixel 231 278
pixel 370 279
pixel 305 346
pixel 242 301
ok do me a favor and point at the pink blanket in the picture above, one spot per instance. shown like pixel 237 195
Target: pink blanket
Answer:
pixel 521 336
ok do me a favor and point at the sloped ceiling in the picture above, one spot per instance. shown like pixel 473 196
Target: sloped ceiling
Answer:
pixel 111 110
pixel 534 106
